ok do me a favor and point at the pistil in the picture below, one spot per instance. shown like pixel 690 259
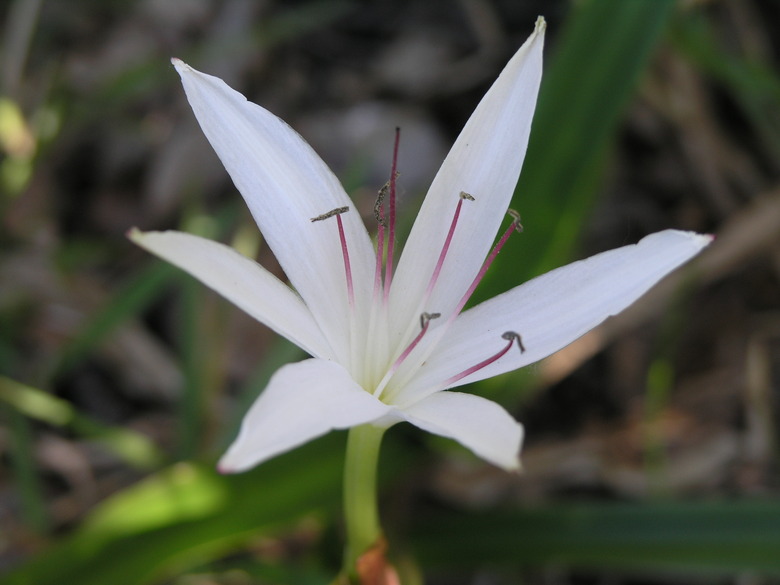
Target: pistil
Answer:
pixel 344 250
pixel 510 336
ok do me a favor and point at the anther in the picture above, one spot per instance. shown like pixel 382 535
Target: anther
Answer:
pixel 515 220
pixel 425 318
pixel 509 336
pixel 464 195
pixel 512 336
pixel 331 213
pixel 379 212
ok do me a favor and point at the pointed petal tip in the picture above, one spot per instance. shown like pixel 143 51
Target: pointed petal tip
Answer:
pixel 180 65
pixel 699 240
pixel 141 237
pixel 514 467
pixel 541 25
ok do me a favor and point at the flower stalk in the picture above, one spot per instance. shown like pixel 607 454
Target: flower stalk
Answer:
pixel 361 513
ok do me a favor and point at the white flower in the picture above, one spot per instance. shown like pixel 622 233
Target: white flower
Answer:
pixel 386 346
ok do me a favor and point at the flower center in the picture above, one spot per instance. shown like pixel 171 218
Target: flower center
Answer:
pixel 386 220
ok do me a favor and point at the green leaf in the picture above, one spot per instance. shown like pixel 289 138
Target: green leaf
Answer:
pixel 133 447
pixel 599 56
pixel 128 302
pixel 186 515
pixel 720 537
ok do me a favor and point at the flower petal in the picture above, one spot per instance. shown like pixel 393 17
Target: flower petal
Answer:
pixel 484 162
pixel 285 184
pixel 302 401
pixel 552 310
pixel 475 422
pixel 242 281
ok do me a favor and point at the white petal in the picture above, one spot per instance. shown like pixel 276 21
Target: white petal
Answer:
pixel 475 422
pixel 302 401
pixel 285 184
pixel 551 311
pixel 484 162
pixel 242 281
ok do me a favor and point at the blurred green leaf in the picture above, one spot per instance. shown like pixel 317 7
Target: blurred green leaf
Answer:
pixel 188 514
pixel 599 56
pixel 133 447
pixel 601 53
pixel 128 302
pixel 754 84
pixel 26 478
pixel 712 537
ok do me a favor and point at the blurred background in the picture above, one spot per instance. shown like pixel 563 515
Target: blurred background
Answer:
pixel 651 452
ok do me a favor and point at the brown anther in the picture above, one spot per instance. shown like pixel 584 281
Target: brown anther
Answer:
pixel 380 198
pixel 426 317
pixel 331 213
pixel 512 336
pixel 515 220
pixel 464 195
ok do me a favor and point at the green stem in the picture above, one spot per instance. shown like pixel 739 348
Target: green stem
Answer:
pixel 360 501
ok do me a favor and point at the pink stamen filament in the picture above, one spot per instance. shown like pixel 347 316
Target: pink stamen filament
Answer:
pixel 425 321
pixel 391 213
pixel 514 226
pixel 510 336
pixel 447 242
pixel 344 250
pixel 347 267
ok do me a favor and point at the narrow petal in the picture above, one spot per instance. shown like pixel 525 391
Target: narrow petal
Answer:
pixel 243 282
pixel 484 162
pixel 285 184
pixel 475 422
pixel 302 401
pixel 551 311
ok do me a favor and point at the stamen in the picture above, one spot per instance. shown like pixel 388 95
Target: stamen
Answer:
pixel 344 250
pixel 510 336
pixel 515 226
pixel 391 213
pixel 447 242
pixel 425 321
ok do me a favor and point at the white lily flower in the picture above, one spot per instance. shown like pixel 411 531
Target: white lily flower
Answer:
pixel 385 346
